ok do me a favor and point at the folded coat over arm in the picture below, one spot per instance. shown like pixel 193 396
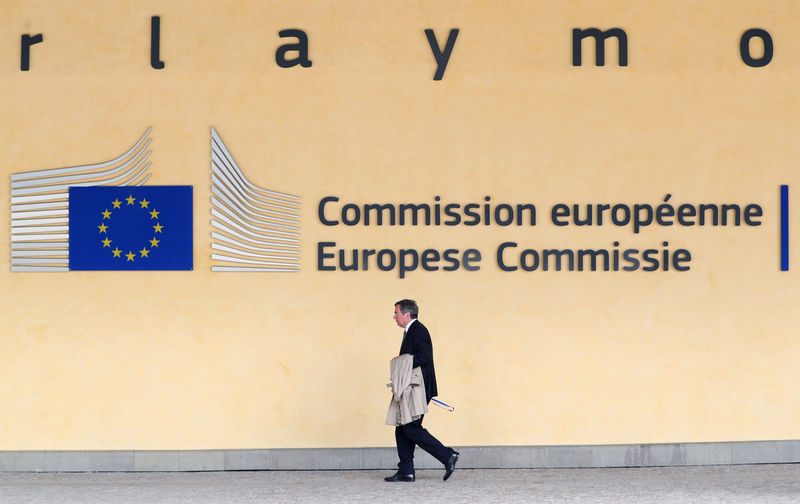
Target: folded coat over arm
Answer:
pixel 408 391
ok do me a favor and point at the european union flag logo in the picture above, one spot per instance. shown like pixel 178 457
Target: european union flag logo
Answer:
pixel 130 228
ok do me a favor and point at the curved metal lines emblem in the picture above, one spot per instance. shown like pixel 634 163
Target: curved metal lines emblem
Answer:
pixel 253 229
pixel 40 205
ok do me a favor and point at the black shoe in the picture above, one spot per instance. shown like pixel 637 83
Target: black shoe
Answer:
pixel 394 478
pixel 450 465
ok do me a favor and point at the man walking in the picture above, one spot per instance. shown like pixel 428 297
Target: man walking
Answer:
pixel 417 342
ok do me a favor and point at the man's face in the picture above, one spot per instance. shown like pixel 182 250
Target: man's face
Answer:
pixel 401 318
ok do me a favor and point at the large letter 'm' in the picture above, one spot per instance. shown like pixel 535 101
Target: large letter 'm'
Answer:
pixel 599 42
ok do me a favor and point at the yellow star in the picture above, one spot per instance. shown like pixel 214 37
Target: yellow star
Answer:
pixel 154 214
pixel 106 214
pixel 130 255
pixel 154 242
pixel 106 243
pixel 144 203
pixel 116 252
pixel 158 228
pixel 116 203
pixel 102 228
pixel 144 252
pixel 130 199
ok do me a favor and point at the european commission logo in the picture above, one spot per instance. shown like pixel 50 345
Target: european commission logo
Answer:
pixel 103 217
pixel 253 228
pixel 100 217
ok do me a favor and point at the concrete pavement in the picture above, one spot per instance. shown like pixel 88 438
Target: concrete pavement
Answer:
pixel 774 484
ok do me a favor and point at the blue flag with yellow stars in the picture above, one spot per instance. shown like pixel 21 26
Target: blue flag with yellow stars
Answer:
pixel 130 228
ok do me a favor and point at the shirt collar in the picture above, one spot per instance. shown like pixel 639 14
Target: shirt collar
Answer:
pixel 409 324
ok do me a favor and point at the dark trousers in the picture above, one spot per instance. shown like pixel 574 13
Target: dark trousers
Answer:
pixel 411 435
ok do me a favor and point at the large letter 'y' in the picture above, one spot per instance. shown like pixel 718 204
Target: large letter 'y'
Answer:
pixel 442 57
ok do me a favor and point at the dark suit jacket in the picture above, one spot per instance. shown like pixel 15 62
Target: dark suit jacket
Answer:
pixel 417 342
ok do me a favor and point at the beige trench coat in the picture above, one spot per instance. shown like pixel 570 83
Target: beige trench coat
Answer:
pixel 408 391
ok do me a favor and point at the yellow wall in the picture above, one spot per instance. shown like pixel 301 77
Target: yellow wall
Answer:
pixel 191 360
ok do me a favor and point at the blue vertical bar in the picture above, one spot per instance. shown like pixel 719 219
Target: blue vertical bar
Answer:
pixel 784 228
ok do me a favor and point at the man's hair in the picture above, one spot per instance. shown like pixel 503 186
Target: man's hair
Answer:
pixel 408 306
